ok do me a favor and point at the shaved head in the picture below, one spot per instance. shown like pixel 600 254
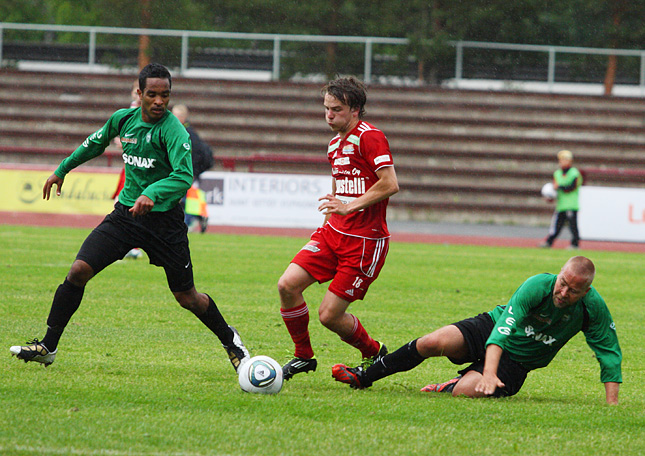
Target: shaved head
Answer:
pixel 581 267
pixel 573 282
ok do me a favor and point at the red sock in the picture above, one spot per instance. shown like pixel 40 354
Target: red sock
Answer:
pixel 297 322
pixel 361 340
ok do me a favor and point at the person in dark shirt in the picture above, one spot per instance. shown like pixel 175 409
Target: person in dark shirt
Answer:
pixel 202 156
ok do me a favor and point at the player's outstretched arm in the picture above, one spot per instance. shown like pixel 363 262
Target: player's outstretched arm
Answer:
pixel 49 183
pixel 611 392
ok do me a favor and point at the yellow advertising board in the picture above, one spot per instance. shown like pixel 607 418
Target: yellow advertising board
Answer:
pixel 83 192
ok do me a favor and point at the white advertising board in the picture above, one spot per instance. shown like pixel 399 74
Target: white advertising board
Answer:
pixel 266 200
pixel 612 214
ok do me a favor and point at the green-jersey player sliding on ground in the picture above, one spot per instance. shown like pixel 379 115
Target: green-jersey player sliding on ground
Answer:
pixel 158 172
pixel 503 345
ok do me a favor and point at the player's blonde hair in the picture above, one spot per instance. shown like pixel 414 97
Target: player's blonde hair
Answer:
pixel 565 155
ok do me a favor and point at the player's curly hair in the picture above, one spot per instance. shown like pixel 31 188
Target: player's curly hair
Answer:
pixel 350 91
pixel 154 70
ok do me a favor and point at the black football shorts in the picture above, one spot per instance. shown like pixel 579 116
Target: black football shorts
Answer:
pixel 162 235
pixel 476 331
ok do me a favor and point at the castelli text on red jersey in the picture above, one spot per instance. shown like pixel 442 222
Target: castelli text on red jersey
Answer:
pixel 350 186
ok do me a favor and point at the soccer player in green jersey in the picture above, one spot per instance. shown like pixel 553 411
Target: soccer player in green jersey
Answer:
pixel 503 345
pixel 158 172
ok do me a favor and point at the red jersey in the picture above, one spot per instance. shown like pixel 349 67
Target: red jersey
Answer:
pixel 354 161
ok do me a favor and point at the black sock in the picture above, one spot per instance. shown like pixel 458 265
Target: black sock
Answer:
pixel 67 299
pixel 403 359
pixel 214 321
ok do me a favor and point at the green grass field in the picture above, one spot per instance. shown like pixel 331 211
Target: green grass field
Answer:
pixel 138 375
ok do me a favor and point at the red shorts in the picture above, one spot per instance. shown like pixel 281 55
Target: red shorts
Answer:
pixel 352 262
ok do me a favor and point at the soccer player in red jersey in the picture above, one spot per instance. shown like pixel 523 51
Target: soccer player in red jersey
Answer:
pixel 351 246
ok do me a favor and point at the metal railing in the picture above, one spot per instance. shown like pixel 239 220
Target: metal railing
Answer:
pixel 552 51
pixel 278 39
pixel 186 35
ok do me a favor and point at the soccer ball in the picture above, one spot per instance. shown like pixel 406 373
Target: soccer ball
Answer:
pixel 548 191
pixel 260 374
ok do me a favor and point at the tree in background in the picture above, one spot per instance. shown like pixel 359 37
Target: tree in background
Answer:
pixel 109 13
pixel 428 32
pixel 429 24
pixel 144 40
pixel 586 23
pixel 609 24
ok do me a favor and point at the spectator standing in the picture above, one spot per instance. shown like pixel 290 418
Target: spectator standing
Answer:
pixel 195 206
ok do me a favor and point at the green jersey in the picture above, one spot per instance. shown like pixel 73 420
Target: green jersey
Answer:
pixel 157 157
pixel 532 330
pixel 570 181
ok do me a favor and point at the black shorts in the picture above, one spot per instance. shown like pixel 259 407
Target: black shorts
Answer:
pixel 162 235
pixel 476 331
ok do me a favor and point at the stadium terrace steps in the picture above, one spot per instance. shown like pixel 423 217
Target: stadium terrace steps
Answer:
pixel 84 85
pixel 426 146
pixel 460 155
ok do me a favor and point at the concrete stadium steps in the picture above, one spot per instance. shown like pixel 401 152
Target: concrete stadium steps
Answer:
pixel 392 99
pixel 604 119
pixel 411 128
pixel 232 136
pixel 518 136
pixel 622 137
pixel 459 155
pixel 119 85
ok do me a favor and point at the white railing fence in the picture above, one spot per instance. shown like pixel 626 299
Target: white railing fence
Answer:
pixel 277 44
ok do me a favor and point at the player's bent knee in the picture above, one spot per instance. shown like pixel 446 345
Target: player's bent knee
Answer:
pixel 284 287
pixel 430 345
pixel 290 291
pixel 462 390
pixel 467 384
pixel 294 281
pixel 446 341
pixel 80 273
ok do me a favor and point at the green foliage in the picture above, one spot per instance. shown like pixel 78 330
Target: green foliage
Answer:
pixel 429 25
pixel 569 22
pixel 138 375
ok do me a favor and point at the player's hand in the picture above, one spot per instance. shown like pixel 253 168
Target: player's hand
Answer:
pixel 332 205
pixel 49 183
pixel 488 384
pixel 142 206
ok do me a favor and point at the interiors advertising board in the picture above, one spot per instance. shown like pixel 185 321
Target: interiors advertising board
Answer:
pixel 263 199
pixel 612 214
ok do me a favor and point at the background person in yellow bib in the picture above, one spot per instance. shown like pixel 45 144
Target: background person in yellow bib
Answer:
pixel 566 182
